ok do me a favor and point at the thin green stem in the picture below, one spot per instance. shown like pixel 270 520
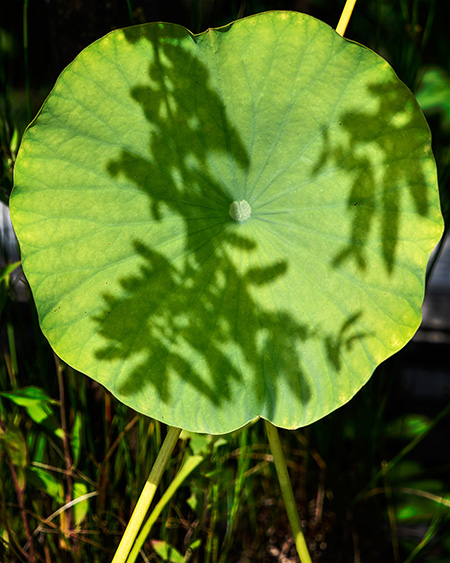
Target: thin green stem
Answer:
pixel 148 492
pixel 287 492
pixel 14 370
pixel 66 516
pixel 391 513
pixel 190 464
pixel 25 57
pixel 428 536
pixel 130 11
pixel 345 17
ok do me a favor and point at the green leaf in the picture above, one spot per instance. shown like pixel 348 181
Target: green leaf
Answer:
pixel 229 225
pixel 80 509
pixel 76 438
pixel 201 444
pixel 434 94
pixel 5 274
pixel 8 270
pixel 407 427
pixel 44 481
pixel 189 464
pixel 195 544
pixel 43 414
pixel 193 502
pixel 39 413
pixel 414 505
pixel 37 404
pixel 167 552
pixel 28 397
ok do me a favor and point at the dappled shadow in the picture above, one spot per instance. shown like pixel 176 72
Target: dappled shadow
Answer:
pixel 382 152
pixel 199 275
pixel 191 314
pixel 345 338
pixel 189 295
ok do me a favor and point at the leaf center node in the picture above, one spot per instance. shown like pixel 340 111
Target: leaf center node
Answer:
pixel 240 210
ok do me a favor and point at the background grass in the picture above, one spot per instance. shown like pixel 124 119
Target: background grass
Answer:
pixel 371 480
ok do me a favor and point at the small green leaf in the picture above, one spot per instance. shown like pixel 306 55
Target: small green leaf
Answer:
pixel 37 404
pixel 5 274
pixel 218 442
pixel 167 552
pixel 411 511
pixel 76 438
pixel 192 501
pixel 42 480
pixel 43 414
pixel 15 140
pixel 408 427
pixel 195 544
pixel 8 270
pixel 28 396
pixel 434 94
pixel 39 412
pixel 199 444
pixel 414 505
pixel 80 509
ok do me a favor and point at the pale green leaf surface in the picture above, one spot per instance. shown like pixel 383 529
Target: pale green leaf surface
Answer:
pixel 143 280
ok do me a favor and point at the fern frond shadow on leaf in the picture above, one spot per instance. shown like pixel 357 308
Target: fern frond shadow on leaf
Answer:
pixel 190 295
pixel 384 155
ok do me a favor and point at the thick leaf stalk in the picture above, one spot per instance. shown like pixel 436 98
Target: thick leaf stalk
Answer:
pixel 146 497
pixel 189 465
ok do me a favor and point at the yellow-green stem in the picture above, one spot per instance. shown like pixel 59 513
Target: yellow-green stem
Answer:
pixel 25 58
pixel 287 492
pixel 345 17
pixel 189 465
pixel 148 492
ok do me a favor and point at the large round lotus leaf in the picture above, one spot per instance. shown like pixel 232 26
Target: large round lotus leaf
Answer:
pixel 228 225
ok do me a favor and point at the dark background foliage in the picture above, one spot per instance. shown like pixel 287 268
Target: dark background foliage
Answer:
pixel 371 480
